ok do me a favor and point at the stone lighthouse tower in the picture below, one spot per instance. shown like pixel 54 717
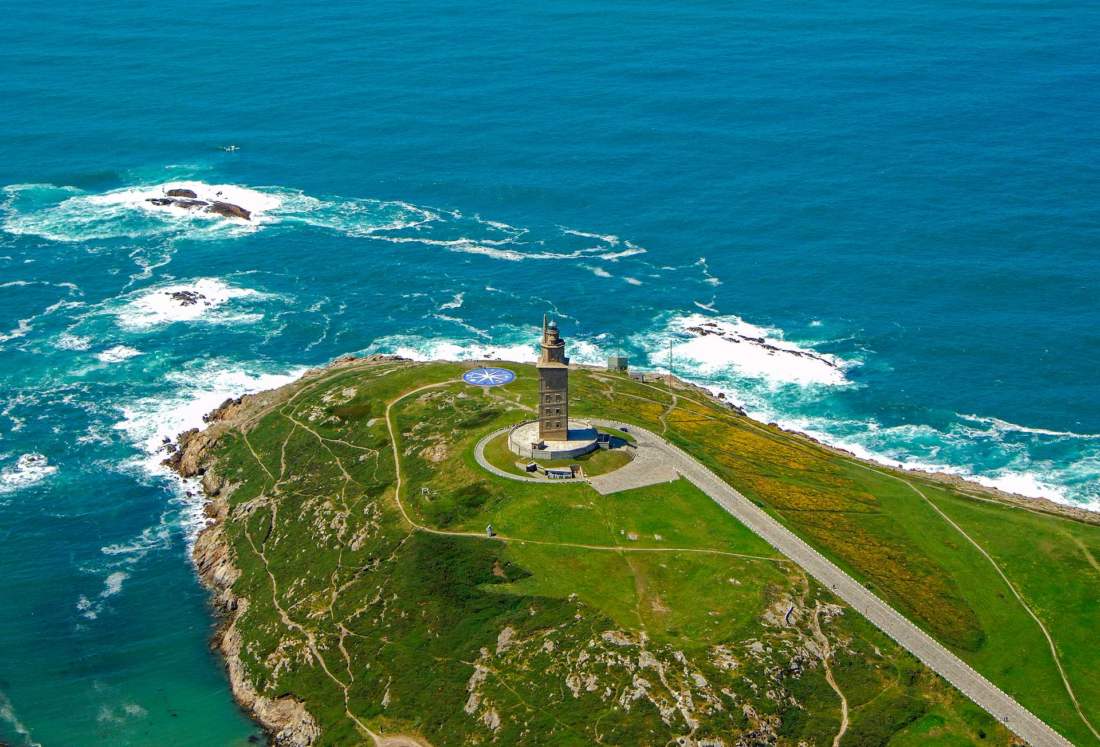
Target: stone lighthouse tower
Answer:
pixel 553 369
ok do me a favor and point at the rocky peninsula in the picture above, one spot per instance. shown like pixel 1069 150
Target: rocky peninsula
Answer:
pixel 434 634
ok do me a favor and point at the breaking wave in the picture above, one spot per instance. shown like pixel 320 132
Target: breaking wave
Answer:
pixel 149 423
pixel 29 469
pixel 778 380
pixel 205 299
pixel 8 714
pixel 713 345
pixel 117 354
pixel 68 214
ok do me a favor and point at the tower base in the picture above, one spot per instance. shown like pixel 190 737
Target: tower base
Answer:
pixel 524 441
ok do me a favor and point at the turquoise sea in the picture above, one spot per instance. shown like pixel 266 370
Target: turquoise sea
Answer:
pixel 886 212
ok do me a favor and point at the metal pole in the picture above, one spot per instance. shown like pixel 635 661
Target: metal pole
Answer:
pixel 670 363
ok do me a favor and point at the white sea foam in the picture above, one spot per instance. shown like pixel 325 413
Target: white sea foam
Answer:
pixel 91 609
pixel 196 391
pixel 120 714
pixel 22 327
pixel 113 584
pixel 607 237
pixel 7 713
pixel 630 251
pixel 200 299
pixel 151 538
pixel 69 214
pixel 257 202
pixel 68 341
pixel 598 271
pixel 484 247
pixel 1004 426
pixel 29 469
pixel 464 324
pixel 716 345
pixel 632 281
pixel 454 303
pixel 707 276
pixel 117 354
pixel 147 422
pixel 419 348
pixel 1025 484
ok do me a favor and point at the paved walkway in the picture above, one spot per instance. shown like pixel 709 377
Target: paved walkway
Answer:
pixel 953 669
pixel 649 466
pixel 479 457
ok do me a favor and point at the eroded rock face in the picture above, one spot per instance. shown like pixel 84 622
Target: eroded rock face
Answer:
pixel 190 455
pixel 285 718
pixel 229 210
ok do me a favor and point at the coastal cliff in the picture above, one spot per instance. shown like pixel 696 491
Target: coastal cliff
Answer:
pixel 285 719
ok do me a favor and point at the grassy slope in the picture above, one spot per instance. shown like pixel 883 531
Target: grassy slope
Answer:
pixel 688 600
pixel 400 620
pixel 880 529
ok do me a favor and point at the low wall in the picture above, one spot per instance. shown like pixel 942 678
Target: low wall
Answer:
pixel 523 449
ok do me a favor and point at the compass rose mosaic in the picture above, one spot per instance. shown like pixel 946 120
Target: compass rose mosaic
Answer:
pixel 488 376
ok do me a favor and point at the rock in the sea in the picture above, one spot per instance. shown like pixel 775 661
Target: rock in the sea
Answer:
pixel 187 298
pixel 181 193
pixel 229 210
pixel 187 202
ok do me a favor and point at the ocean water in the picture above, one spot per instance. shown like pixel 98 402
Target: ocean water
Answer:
pixel 883 217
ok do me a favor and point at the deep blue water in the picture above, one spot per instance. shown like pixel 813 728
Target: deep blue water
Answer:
pixel 908 190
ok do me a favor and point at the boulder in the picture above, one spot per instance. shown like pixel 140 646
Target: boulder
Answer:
pixel 229 210
pixel 182 193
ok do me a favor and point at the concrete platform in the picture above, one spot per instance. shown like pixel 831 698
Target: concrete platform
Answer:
pixel 649 466
pixel 524 441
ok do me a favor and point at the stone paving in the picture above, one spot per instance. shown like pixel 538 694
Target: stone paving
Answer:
pixel 649 466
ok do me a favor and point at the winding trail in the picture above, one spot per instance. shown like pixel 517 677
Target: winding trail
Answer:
pixel 826 654
pixel 1015 593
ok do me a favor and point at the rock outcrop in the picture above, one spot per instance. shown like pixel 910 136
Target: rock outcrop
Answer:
pixel 285 718
pixel 187 297
pixel 185 199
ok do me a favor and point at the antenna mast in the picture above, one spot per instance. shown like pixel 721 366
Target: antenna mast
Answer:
pixel 670 363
